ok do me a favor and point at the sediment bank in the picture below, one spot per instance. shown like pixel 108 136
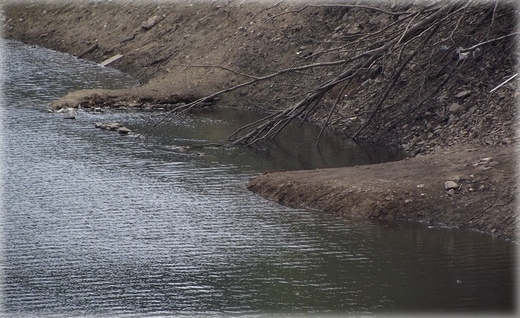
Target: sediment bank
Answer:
pixel 461 187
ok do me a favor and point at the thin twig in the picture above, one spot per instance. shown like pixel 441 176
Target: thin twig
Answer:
pixel 336 102
pixel 503 83
pixel 341 5
pixel 265 9
pixel 462 50
pixel 222 68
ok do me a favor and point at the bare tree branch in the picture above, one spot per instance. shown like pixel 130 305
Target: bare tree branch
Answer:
pixel 333 69
pixel 395 77
pixel 474 47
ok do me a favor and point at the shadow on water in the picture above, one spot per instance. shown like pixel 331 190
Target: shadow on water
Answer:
pixel 205 133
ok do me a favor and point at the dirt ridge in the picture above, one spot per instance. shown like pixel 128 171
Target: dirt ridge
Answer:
pixel 461 187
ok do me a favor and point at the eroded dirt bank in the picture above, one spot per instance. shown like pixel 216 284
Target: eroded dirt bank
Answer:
pixel 463 187
pixel 463 175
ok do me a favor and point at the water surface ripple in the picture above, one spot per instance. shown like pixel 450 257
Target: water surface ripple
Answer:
pixel 100 224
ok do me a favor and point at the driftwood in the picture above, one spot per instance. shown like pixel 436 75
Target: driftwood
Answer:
pixel 111 60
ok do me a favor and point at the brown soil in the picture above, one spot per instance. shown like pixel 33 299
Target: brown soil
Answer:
pixel 415 189
pixel 463 124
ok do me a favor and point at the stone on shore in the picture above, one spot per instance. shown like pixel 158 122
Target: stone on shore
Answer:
pixel 114 127
pixel 450 185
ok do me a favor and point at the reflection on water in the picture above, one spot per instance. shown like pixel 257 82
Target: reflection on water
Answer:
pixel 101 224
pixel 204 134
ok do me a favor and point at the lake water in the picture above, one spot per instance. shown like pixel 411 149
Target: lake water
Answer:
pixel 98 224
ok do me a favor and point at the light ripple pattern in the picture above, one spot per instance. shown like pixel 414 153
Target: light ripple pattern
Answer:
pixel 98 224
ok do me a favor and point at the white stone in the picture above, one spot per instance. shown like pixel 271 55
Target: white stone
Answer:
pixel 450 184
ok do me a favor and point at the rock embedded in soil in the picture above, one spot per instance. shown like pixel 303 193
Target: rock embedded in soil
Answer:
pixel 462 94
pixel 151 22
pixel 450 185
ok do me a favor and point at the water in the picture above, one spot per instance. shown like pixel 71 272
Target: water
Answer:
pixel 100 224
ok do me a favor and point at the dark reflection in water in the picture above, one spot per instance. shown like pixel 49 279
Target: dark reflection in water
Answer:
pixel 204 134
pixel 103 225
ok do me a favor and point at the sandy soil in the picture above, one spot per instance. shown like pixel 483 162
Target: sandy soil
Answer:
pixel 462 166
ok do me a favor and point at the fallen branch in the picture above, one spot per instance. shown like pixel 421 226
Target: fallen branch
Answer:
pixel 392 48
pixel 395 77
pixel 336 102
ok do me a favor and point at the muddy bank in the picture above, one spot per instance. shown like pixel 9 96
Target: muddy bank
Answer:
pixel 139 98
pixel 467 188
pixel 182 51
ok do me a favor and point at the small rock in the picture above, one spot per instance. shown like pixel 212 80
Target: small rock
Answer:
pixel 62 110
pixel 451 192
pixel 454 107
pixel 456 179
pixel 354 30
pixel 485 160
pixel 109 126
pixel 113 126
pixel 124 131
pixel 463 94
pixel 450 184
pixel 151 22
